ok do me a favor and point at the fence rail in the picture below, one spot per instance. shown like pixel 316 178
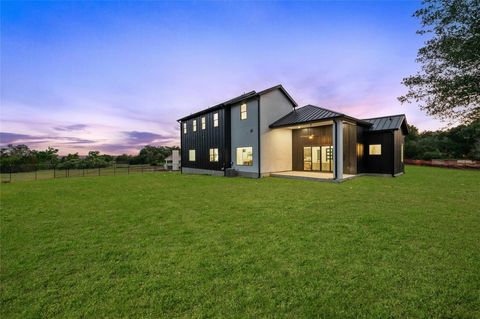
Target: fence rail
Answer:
pixel 14 174
pixel 446 163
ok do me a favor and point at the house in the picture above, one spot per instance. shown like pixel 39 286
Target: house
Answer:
pixel 172 162
pixel 265 133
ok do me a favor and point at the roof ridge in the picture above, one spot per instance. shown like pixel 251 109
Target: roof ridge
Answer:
pixel 379 117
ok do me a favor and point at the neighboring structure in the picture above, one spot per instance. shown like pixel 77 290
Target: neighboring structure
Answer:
pixel 173 161
pixel 260 133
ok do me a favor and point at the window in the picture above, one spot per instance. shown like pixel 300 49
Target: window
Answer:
pixel 194 125
pixel 359 150
pixel 184 128
pixel 401 153
pixel 191 155
pixel 214 155
pixel 215 119
pixel 203 123
pixel 245 156
pixel 243 111
pixel 375 149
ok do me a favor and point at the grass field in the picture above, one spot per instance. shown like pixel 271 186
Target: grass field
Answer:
pixel 170 245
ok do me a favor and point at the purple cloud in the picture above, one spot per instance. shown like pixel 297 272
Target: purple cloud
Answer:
pixel 68 128
pixel 143 138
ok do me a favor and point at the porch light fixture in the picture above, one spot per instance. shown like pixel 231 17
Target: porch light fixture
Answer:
pixel 310 137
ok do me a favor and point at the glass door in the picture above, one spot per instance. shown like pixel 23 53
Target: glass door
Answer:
pixel 327 158
pixel 315 158
pixel 307 158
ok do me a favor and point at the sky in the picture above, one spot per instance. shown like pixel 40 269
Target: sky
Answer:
pixel 115 76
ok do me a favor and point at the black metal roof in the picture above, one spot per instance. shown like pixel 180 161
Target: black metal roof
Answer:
pixel 305 114
pixel 238 99
pixel 386 123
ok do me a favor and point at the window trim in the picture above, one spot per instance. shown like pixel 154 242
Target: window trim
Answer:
pixel 243 112
pixel 215 120
pixel 374 145
pixel 237 159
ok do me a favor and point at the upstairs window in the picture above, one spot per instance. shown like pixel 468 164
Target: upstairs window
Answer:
pixel 203 123
pixel 214 155
pixel 184 128
pixel 245 156
pixel 191 155
pixel 243 111
pixel 375 149
pixel 194 125
pixel 215 119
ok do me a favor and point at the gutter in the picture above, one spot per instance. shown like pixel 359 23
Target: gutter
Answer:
pixel 259 146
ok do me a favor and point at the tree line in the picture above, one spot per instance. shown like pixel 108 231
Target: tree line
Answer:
pixel 22 158
pixel 460 142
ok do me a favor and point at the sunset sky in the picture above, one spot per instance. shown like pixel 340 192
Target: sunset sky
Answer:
pixel 115 76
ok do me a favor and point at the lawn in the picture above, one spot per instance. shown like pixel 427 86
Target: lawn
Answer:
pixel 171 245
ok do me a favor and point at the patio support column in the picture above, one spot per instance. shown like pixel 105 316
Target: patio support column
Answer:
pixel 338 149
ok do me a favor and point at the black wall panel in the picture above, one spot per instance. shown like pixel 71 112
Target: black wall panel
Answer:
pixel 202 140
pixel 379 164
pixel 314 136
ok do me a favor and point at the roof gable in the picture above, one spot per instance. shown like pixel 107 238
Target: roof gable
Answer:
pixel 240 98
pixel 305 114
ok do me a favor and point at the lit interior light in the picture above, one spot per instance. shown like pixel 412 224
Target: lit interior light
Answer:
pixel 310 137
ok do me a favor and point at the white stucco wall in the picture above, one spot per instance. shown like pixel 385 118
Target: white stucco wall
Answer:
pixel 276 144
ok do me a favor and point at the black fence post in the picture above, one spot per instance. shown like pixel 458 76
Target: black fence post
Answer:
pixel 142 168
pixel 54 172
pixel 99 171
pixel 114 168
pixel 36 169
pixel 128 169
pixel 83 171
pixel 10 180
pixel 68 172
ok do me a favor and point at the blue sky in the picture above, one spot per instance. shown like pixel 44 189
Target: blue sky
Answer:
pixel 114 76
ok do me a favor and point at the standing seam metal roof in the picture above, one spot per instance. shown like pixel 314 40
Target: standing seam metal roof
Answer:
pixel 304 114
pixel 393 122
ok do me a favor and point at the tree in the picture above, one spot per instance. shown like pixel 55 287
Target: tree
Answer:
pixel 448 85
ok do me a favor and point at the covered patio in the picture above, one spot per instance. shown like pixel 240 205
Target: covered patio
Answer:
pixel 309 175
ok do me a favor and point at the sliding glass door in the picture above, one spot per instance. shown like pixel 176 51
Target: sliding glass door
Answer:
pixel 317 158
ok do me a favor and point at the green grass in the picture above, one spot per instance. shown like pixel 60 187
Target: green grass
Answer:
pixel 170 245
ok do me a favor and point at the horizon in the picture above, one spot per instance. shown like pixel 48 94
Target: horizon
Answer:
pixel 114 77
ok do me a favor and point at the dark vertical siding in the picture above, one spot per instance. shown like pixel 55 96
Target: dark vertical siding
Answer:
pixel 379 164
pixel 349 148
pixel 399 139
pixel 202 140
pixel 360 156
pixel 322 136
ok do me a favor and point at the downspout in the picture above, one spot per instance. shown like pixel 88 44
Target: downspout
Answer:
pixel 335 150
pixel 259 148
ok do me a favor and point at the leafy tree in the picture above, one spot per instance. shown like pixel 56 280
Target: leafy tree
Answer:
pixel 448 85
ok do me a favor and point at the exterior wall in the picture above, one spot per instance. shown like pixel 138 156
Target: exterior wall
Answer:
pixel 399 139
pixel 244 133
pixel 202 140
pixel 360 155
pixel 380 164
pixel 349 148
pixel 276 144
pixel 173 161
pixel 322 136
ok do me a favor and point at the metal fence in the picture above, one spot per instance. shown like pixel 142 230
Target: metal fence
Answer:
pixel 15 174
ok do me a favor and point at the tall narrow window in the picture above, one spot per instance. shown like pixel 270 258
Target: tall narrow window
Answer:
pixel 191 155
pixel 184 128
pixel 214 155
pixel 245 156
pixel 203 123
pixel 243 111
pixel 215 119
pixel 194 125
pixel 375 149
pixel 401 153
